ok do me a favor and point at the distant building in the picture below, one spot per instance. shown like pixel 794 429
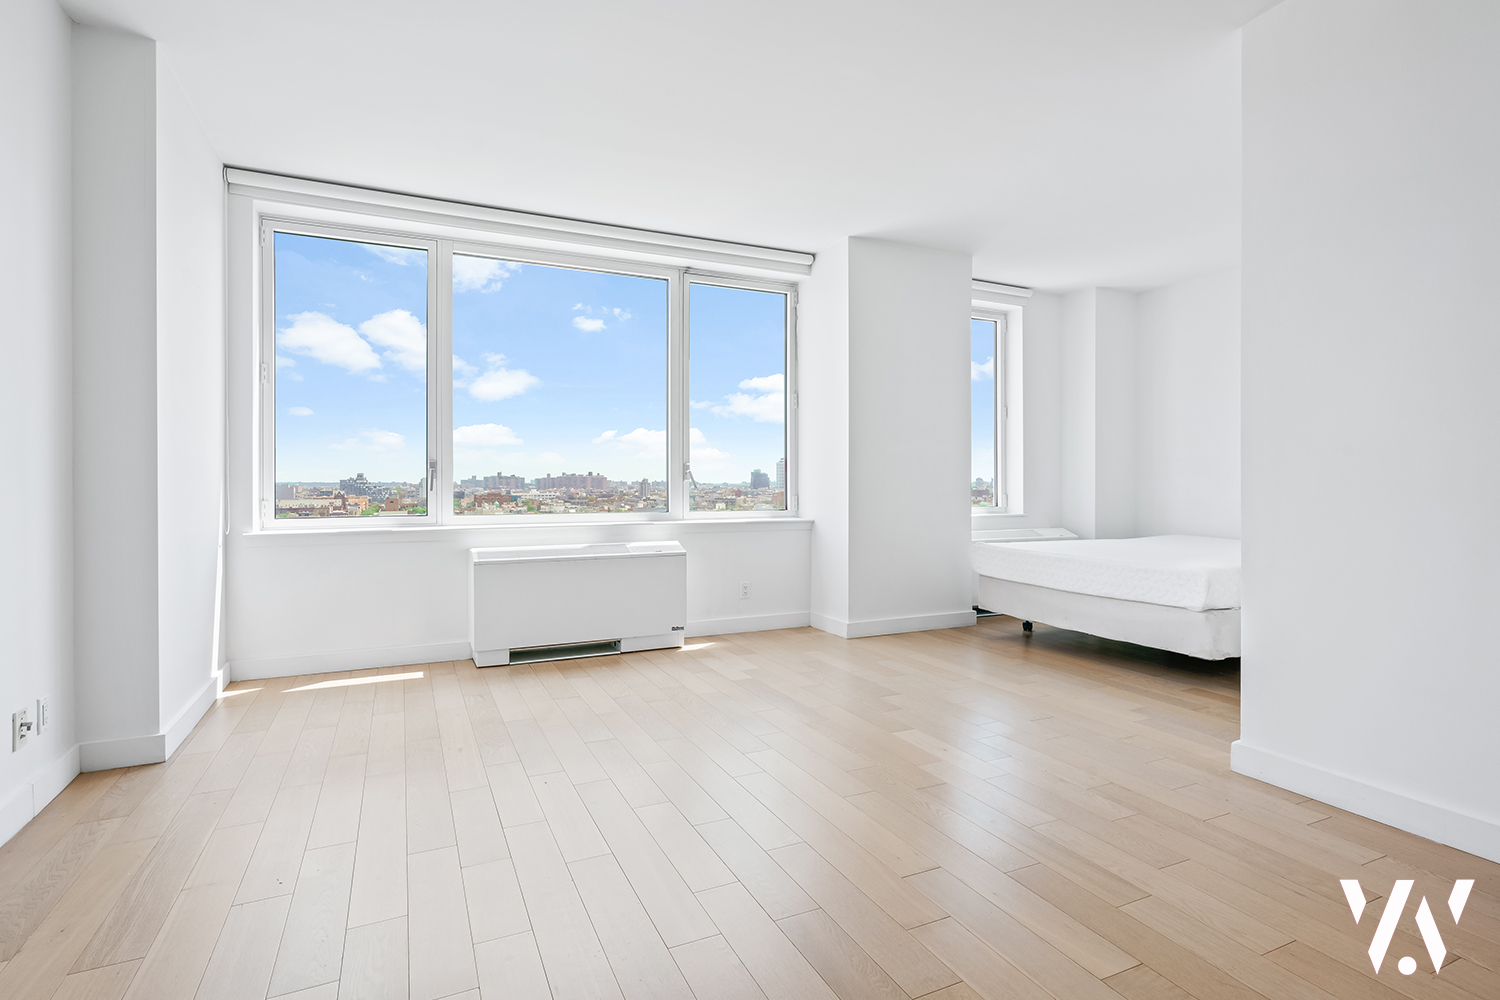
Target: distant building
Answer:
pixel 286 491
pixel 759 480
pixel 645 488
pixel 358 486
pixel 573 481
pixel 781 473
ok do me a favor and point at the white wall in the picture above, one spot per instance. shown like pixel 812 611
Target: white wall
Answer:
pixel 1098 394
pixel 114 327
pixel 1371 413
pixel 148 401
pixel 36 548
pixel 1187 401
pixel 886 335
pixel 189 406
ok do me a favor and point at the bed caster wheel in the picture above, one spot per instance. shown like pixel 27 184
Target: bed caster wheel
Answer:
pixel 1026 626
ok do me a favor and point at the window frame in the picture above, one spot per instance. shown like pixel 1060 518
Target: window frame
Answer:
pixel 441 247
pixel 1001 416
pixel 692 277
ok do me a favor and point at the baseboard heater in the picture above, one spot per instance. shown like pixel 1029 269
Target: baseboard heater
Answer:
pixel 556 602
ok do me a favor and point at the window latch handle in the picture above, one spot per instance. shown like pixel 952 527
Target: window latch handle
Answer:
pixel 431 475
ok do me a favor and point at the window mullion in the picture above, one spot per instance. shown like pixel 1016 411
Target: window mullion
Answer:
pixel 677 395
pixel 440 380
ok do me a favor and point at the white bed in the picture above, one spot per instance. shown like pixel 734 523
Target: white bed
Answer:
pixel 1175 592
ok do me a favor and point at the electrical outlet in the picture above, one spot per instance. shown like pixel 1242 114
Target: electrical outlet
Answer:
pixel 20 729
pixel 43 716
pixel 745 591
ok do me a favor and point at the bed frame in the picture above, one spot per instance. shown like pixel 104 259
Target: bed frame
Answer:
pixel 1208 635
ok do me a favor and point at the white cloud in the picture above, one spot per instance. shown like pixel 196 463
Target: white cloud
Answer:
pixel 767 409
pixel 480 274
pixel 621 314
pixel 701 456
pixel 372 440
pixel 766 383
pixel 979 372
pixel 588 325
pixel 324 339
pixel 699 406
pixel 639 443
pixel 299 411
pixel 484 436
pixel 500 382
pixel 404 256
pixel 285 362
pixel 403 333
pixel 462 371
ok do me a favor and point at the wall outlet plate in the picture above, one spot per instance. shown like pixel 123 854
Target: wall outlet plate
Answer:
pixel 745 591
pixel 20 729
pixel 43 716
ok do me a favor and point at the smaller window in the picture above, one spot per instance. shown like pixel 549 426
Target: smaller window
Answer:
pixel 737 399
pixel 987 413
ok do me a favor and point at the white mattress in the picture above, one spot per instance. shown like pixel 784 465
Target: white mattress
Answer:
pixel 1180 571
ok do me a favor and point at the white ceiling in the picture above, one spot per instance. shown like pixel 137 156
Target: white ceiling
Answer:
pixel 1061 142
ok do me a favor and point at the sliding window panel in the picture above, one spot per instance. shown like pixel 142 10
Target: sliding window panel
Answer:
pixel 984 371
pixel 346 391
pixel 737 398
pixel 559 390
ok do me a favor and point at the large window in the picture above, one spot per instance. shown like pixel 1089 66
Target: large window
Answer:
pixel 559 389
pixel 350 364
pixel 435 381
pixel 737 357
pixel 987 412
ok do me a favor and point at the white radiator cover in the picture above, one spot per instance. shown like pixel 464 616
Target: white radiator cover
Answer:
pixel 632 593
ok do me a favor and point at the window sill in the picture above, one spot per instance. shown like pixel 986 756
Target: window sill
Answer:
pixel 591 530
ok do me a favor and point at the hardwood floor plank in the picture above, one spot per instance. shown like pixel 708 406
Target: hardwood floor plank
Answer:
pixel 442 953
pixel 283 840
pixel 142 908
pixel 173 967
pixel 493 894
pixel 107 983
pixel 695 861
pixel 770 956
pixel 34 896
pixel 378 892
pixel 336 818
pixel 915 969
pixel 642 966
pixel 241 963
pixel 677 914
pixel 375 961
pixel 570 951
pixel 511 967
pixel 991 976
pixel 714 971
pixel 846 967
pixel 39 967
pixel 572 826
pixel 776 891
pixel 312 943
pixel 476 824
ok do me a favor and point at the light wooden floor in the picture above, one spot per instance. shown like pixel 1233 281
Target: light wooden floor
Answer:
pixel 779 814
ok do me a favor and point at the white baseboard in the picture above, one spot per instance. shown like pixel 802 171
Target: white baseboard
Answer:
pixel 891 626
pixel 748 623
pixel 1439 823
pixel 128 751
pixel 33 795
pixel 347 659
pixel 179 728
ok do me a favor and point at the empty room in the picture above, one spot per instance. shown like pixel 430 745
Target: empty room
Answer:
pixel 787 501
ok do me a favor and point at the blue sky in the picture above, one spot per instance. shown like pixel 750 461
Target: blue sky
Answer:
pixel 555 369
pixel 982 385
